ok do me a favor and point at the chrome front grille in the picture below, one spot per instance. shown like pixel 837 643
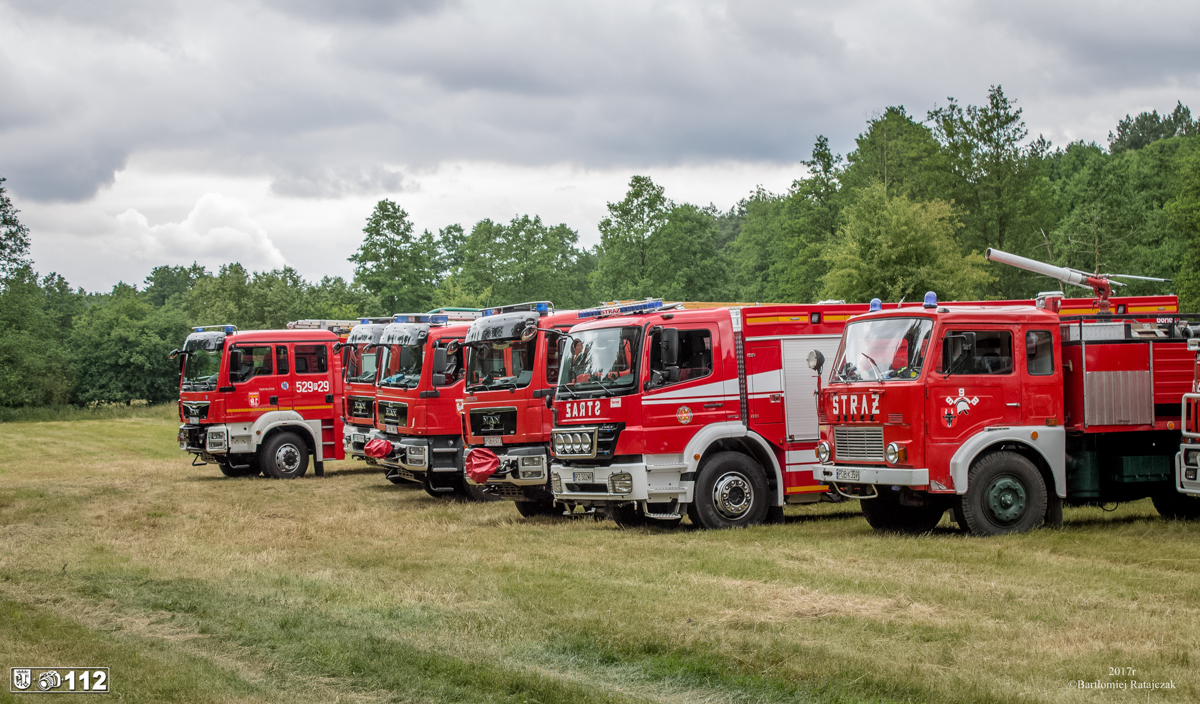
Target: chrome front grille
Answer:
pixel 858 444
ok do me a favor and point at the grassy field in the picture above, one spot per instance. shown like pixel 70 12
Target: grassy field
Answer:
pixel 196 588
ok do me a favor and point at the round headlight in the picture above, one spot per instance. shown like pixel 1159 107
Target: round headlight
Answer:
pixel 587 442
pixel 823 451
pixel 892 453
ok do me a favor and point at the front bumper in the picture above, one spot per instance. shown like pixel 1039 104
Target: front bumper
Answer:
pixel 659 486
pixel 519 466
pixel 354 439
pixel 868 474
pixel 1187 469
pixel 204 439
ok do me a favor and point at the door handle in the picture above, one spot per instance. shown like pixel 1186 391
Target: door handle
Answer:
pixel 274 401
pixel 1013 405
pixel 714 405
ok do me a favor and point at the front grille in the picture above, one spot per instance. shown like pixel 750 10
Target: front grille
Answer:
pixel 493 421
pixel 896 418
pixel 361 407
pixel 604 439
pixel 195 409
pixel 863 444
pixel 592 488
pixel 393 413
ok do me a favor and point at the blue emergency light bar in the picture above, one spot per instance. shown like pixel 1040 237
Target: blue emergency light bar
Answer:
pixel 227 329
pixel 540 307
pixel 646 306
pixel 420 318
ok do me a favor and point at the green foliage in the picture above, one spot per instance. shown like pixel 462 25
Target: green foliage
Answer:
pixel 166 282
pixel 1137 132
pixel 900 153
pixel 34 361
pixel 1184 213
pixel 625 235
pixel 684 258
pixel 14 237
pixel 398 266
pixel 525 260
pixel 892 248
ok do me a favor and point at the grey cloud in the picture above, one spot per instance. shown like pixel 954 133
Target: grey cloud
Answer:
pixel 359 10
pixel 362 179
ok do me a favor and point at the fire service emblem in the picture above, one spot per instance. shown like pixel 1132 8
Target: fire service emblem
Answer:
pixel 22 677
pixel 960 406
pixel 684 415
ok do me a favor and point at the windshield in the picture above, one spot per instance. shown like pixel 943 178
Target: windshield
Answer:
pixel 359 365
pixel 402 366
pixel 882 350
pixel 200 369
pixel 603 360
pixel 500 364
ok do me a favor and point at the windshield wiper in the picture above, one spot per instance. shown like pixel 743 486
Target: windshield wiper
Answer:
pixel 878 371
pixel 568 388
pixel 607 390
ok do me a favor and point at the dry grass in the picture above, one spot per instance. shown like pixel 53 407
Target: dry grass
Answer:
pixel 196 587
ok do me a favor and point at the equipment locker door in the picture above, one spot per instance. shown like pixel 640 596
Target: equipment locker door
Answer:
pixel 800 383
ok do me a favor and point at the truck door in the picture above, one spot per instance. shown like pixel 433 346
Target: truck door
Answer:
pixel 685 396
pixel 256 383
pixel 1042 384
pixel 974 385
pixel 312 380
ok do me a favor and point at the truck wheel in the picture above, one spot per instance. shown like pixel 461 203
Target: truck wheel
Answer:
pixel 885 513
pixel 1005 494
pixel 627 515
pixel 731 492
pixel 1177 506
pixel 548 507
pixel 284 456
pixel 230 471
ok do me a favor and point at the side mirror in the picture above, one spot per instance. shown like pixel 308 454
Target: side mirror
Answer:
pixel 174 353
pixel 969 342
pixel 816 361
pixel 337 347
pixel 669 344
pixel 530 332
pixel 452 347
pixel 439 360
pixel 235 365
pixel 439 380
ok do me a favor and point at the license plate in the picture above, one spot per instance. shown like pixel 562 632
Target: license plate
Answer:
pixel 193 419
pixel 850 475
pixel 358 437
pixel 583 476
pixel 493 441
pixel 390 428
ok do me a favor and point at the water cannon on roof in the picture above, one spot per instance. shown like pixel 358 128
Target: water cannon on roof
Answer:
pixel 633 308
pixel 1100 284
pixel 542 308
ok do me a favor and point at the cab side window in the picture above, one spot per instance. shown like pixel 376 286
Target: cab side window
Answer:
pixel 554 348
pixel 281 359
pixel 1039 352
pixel 695 358
pixel 256 361
pixel 311 359
pixel 977 352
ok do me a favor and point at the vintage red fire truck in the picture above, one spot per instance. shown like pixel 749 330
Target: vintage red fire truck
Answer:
pixel 1001 413
pixel 1187 461
pixel 709 412
pixel 418 434
pixel 512 369
pixel 262 400
pixel 360 354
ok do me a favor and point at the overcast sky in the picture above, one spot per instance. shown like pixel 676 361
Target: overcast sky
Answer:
pixel 143 132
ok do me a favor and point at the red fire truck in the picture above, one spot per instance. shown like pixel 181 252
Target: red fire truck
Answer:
pixel 1187 461
pixel 360 352
pixel 710 412
pixel 262 400
pixel 418 434
pixel 1000 413
pixel 512 370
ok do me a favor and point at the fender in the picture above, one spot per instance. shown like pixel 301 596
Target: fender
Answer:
pixel 274 419
pixel 1051 444
pixel 730 430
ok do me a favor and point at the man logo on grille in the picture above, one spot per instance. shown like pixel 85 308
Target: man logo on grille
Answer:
pixel 22 678
pixel 491 422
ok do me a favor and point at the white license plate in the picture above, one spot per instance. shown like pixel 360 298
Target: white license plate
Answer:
pixel 493 441
pixel 582 476
pixel 390 428
pixel 850 475
pixel 358 437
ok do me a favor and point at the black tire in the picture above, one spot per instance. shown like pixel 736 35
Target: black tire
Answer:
pixel 231 471
pixel 886 513
pixel 546 507
pixel 1005 494
pixel 627 515
pixel 731 492
pixel 284 456
pixel 1173 505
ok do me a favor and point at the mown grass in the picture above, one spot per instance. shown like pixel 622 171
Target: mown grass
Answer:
pixel 192 587
pixel 42 414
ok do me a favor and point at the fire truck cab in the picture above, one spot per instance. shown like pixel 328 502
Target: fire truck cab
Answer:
pixel 360 356
pixel 513 359
pixel 661 412
pixel 417 407
pixel 1187 462
pixel 1000 413
pixel 262 400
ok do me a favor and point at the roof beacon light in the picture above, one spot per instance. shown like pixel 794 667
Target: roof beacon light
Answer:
pixel 539 307
pixel 227 329
pixel 421 318
pixel 876 304
pixel 930 300
pixel 457 313
pixel 611 309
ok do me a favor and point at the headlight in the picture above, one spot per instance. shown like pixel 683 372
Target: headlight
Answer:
pixel 823 451
pixel 1191 457
pixel 531 461
pixel 416 451
pixel 621 483
pixel 555 484
pixel 586 442
pixel 895 453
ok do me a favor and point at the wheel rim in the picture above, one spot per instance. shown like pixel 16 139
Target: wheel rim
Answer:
pixel 1006 499
pixel 733 495
pixel 287 457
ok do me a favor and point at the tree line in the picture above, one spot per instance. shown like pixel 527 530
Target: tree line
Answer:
pixel 910 209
